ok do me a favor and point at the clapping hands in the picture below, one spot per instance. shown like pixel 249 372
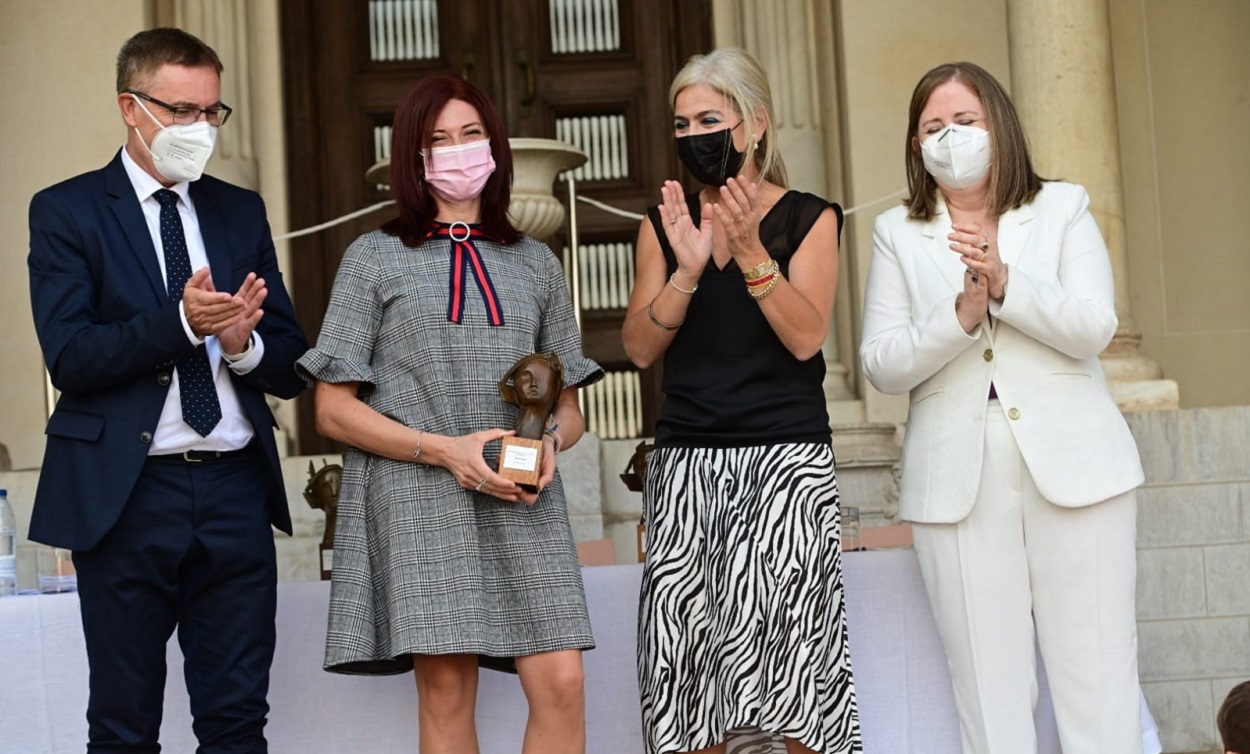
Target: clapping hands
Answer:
pixel 739 213
pixel 692 245
pixel 231 317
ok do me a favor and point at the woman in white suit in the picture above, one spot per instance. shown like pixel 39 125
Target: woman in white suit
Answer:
pixel 989 298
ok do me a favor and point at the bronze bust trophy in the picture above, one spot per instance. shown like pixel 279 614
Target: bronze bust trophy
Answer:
pixel 322 493
pixel 533 384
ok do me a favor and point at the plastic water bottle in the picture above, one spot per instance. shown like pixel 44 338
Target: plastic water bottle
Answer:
pixel 8 547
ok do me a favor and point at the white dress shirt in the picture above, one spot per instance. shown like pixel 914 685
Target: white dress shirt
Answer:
pixel 172 434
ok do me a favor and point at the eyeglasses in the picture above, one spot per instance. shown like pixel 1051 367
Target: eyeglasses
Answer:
pixel 184 115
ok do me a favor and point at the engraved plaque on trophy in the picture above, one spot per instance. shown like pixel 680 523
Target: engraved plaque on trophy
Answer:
pixel 322 492
pixel 533 385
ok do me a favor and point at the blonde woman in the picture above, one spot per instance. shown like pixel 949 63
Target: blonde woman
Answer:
pixel 742 630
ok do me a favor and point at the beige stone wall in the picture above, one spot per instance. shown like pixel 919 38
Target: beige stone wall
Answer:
pixel 1193 553
pixel 1183 94
pixel 60 118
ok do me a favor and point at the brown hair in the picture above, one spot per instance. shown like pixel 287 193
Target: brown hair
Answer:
pixel 144 53
pixel 413 131
pixel 1013 181
pixel 1233 719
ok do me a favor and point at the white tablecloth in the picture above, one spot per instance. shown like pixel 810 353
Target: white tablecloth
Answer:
pixel 905 697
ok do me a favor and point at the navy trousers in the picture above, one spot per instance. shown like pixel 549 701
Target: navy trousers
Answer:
pixel 193 550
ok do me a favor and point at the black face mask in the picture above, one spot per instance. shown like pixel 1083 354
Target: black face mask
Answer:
pixel 711 158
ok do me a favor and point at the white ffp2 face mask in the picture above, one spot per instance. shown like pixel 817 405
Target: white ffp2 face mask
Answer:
pixel 958 156
pixel 179 152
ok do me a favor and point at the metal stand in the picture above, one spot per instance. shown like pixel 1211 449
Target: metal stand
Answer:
pixel 572 268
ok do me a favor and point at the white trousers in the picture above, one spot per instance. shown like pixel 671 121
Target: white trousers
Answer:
pixel 1016 562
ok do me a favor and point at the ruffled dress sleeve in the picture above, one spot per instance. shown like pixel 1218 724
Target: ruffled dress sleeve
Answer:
pixel 344 350
pixel 559 332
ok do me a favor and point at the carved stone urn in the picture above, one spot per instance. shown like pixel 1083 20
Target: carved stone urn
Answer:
pixel 536 162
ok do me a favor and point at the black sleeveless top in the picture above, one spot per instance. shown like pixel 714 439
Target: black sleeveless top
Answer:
pixel 728 379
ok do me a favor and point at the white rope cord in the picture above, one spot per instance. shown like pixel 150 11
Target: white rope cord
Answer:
pixel 874 202
pixel 609 208
pixel 336 221
pixel 581 198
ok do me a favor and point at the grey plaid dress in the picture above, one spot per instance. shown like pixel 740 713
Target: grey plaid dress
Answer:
pixel 422 565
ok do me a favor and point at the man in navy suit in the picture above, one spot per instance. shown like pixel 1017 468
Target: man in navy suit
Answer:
pixel 164 323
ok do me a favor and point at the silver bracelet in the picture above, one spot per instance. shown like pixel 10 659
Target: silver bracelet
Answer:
pixel 662 325
pixel 680 289
pixel 555 439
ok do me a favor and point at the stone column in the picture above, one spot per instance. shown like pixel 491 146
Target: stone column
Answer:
pixel 787 37
pixel 1063 86
pixel 224 25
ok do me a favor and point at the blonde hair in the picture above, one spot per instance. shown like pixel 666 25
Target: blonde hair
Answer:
pixel 742 81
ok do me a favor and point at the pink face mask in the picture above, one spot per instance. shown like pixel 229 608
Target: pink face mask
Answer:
pixel 458 173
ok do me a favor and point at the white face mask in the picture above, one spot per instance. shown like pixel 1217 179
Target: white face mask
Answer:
pixel 180 152
pixel 958 156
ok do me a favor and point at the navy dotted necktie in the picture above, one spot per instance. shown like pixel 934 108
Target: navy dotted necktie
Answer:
pixel 200 408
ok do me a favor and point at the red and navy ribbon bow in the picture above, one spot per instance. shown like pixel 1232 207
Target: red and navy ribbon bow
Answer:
pixel 465 258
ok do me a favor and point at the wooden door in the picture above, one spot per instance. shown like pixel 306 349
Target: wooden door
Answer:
pixel 594 73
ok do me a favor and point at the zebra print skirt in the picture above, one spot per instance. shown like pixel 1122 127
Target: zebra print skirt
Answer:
pixel 741 627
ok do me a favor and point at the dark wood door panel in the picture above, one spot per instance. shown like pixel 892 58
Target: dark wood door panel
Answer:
pixel 348 63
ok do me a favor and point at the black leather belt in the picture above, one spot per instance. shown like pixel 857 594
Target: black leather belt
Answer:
pixel 202 456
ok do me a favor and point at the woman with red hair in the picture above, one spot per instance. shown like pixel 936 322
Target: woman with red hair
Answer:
pixel 441 564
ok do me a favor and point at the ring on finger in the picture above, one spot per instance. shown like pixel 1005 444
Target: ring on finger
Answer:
pixel 480 485
pixel 738 219
pixel 985 245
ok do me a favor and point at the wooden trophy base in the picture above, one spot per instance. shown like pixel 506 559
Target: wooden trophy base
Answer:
pixel 521 461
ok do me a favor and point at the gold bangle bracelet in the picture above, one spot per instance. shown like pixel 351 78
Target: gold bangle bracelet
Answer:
pixel 670 328
pixel 761 269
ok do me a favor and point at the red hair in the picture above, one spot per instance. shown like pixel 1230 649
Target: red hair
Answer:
pixel 413 131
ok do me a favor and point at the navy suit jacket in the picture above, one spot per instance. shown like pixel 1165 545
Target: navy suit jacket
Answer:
pixel 111 337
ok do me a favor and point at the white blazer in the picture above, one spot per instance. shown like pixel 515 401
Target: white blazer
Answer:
pixel 1041 353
